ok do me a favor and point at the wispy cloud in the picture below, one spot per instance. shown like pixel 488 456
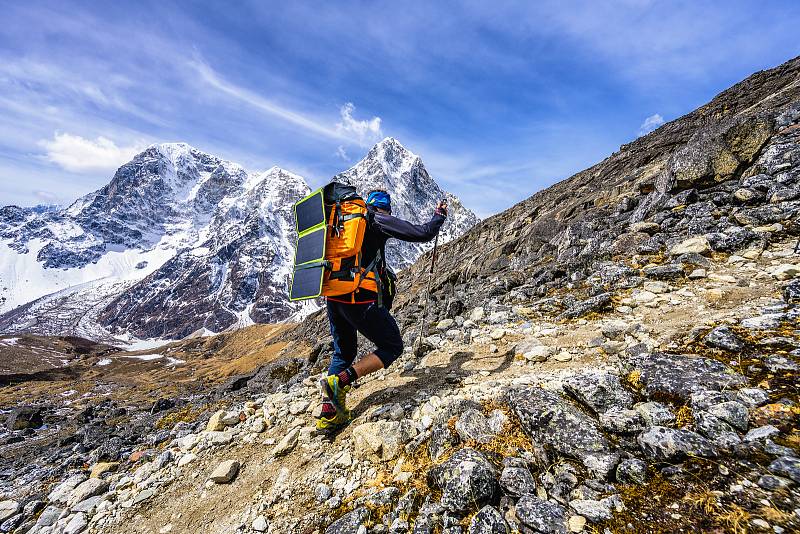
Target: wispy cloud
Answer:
pixel 342 153
pixel 651 123
pixel 364 132
pixel 74 153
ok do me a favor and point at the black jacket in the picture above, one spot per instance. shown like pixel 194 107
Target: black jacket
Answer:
pixel 382 227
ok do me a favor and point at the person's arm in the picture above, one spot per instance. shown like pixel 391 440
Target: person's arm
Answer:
pixel 406 231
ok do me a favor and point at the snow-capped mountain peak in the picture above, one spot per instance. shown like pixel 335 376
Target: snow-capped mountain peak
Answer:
pixel 392 167
pixel 181 241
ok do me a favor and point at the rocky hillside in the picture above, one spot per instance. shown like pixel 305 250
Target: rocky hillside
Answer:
pixel 180 242
pixel 618 353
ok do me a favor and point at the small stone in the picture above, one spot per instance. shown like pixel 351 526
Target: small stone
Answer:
pixel 7 509
pixel 761 432
pixel 786 271
pixel 77 524
pixel 215 423
pixel 322 492
pixel 99 469
pixel 186 459
pixel 225 472
pixel 632 471
pixel 497 334
pixel 666 444
pixel 286 444
pixel 696 245
pixel 86 489
pixel 477 314
pixel 722 337
pixel 697 274
pixel 562 356
pixel 260 524
pixel 488 520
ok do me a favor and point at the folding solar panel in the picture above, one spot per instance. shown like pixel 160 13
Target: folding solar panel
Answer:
pixel 310 248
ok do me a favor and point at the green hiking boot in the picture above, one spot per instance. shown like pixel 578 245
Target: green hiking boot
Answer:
pixel 331 425
pixel 335 394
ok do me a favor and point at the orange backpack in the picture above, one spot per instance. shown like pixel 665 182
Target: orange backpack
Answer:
pixel 331 223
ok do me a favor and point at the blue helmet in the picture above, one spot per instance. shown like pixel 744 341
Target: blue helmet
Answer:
pixel 380 199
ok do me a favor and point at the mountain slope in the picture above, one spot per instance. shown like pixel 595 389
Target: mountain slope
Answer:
pixel 392 167
pixel 620 352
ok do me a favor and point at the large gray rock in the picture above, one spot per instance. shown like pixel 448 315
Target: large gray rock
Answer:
pixel 720 432
pixel 666 444
pixel 488 521
pixel 787 466
pixel 225 472
pixel 86 489
pixel 547 418
pixel 599 391
pixel 7 509
pixel 466 479
pixel 517 481
pixel 596 303
pixel 473 425
pixel 791 293
pixel 676 377
pixel 722 337
pixel 349 522
pixel 543 516
pixel 632 471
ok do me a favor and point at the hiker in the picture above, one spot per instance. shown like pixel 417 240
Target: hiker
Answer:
pixel 367 312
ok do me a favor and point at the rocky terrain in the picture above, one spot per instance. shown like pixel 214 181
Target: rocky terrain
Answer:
pixel 618 353
pixel 181 242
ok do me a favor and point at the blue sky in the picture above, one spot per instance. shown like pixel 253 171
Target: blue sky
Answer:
pixel 500 99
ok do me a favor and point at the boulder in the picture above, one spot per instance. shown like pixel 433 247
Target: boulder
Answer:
pixel 215 423
pixel 488 520
pixel 287 443
pixel 473 425
pixel 786 271
pixel 787 466
pixel 720 432
pixel 517 481
pixel 622 421
pixel 466 479
pixel 595 303
pixel 722 337
pixel 655 413
pixel 670 271
pixel 676 377
pixel 25 417
pixel 382 440
pixel 350 522
pixel 8 508
pixel 86 489
pixel 542 516
pixel 547 418
pixel 791 292
pixel 667 444
pixel 632 471
pixel 49 516
pixel 76 524
pixel 693 245
pixel 225 472
pixel 732 412
pixel 599 391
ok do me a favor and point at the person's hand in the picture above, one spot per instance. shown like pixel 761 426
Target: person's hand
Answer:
pixel 441 208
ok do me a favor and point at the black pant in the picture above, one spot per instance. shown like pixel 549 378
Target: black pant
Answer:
pixel 373 322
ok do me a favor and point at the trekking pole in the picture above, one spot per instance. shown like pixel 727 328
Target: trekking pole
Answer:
pixel 427 294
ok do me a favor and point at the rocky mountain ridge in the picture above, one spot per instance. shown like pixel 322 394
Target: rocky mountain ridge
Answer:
pixel 180 242
pixel 619 353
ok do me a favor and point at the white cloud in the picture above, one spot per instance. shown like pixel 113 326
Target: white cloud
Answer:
pixel 77 154
pixel 363 132
pixel 651 123
pixel 342 153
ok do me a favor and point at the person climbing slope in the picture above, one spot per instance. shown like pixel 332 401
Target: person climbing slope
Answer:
pixel 367 312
